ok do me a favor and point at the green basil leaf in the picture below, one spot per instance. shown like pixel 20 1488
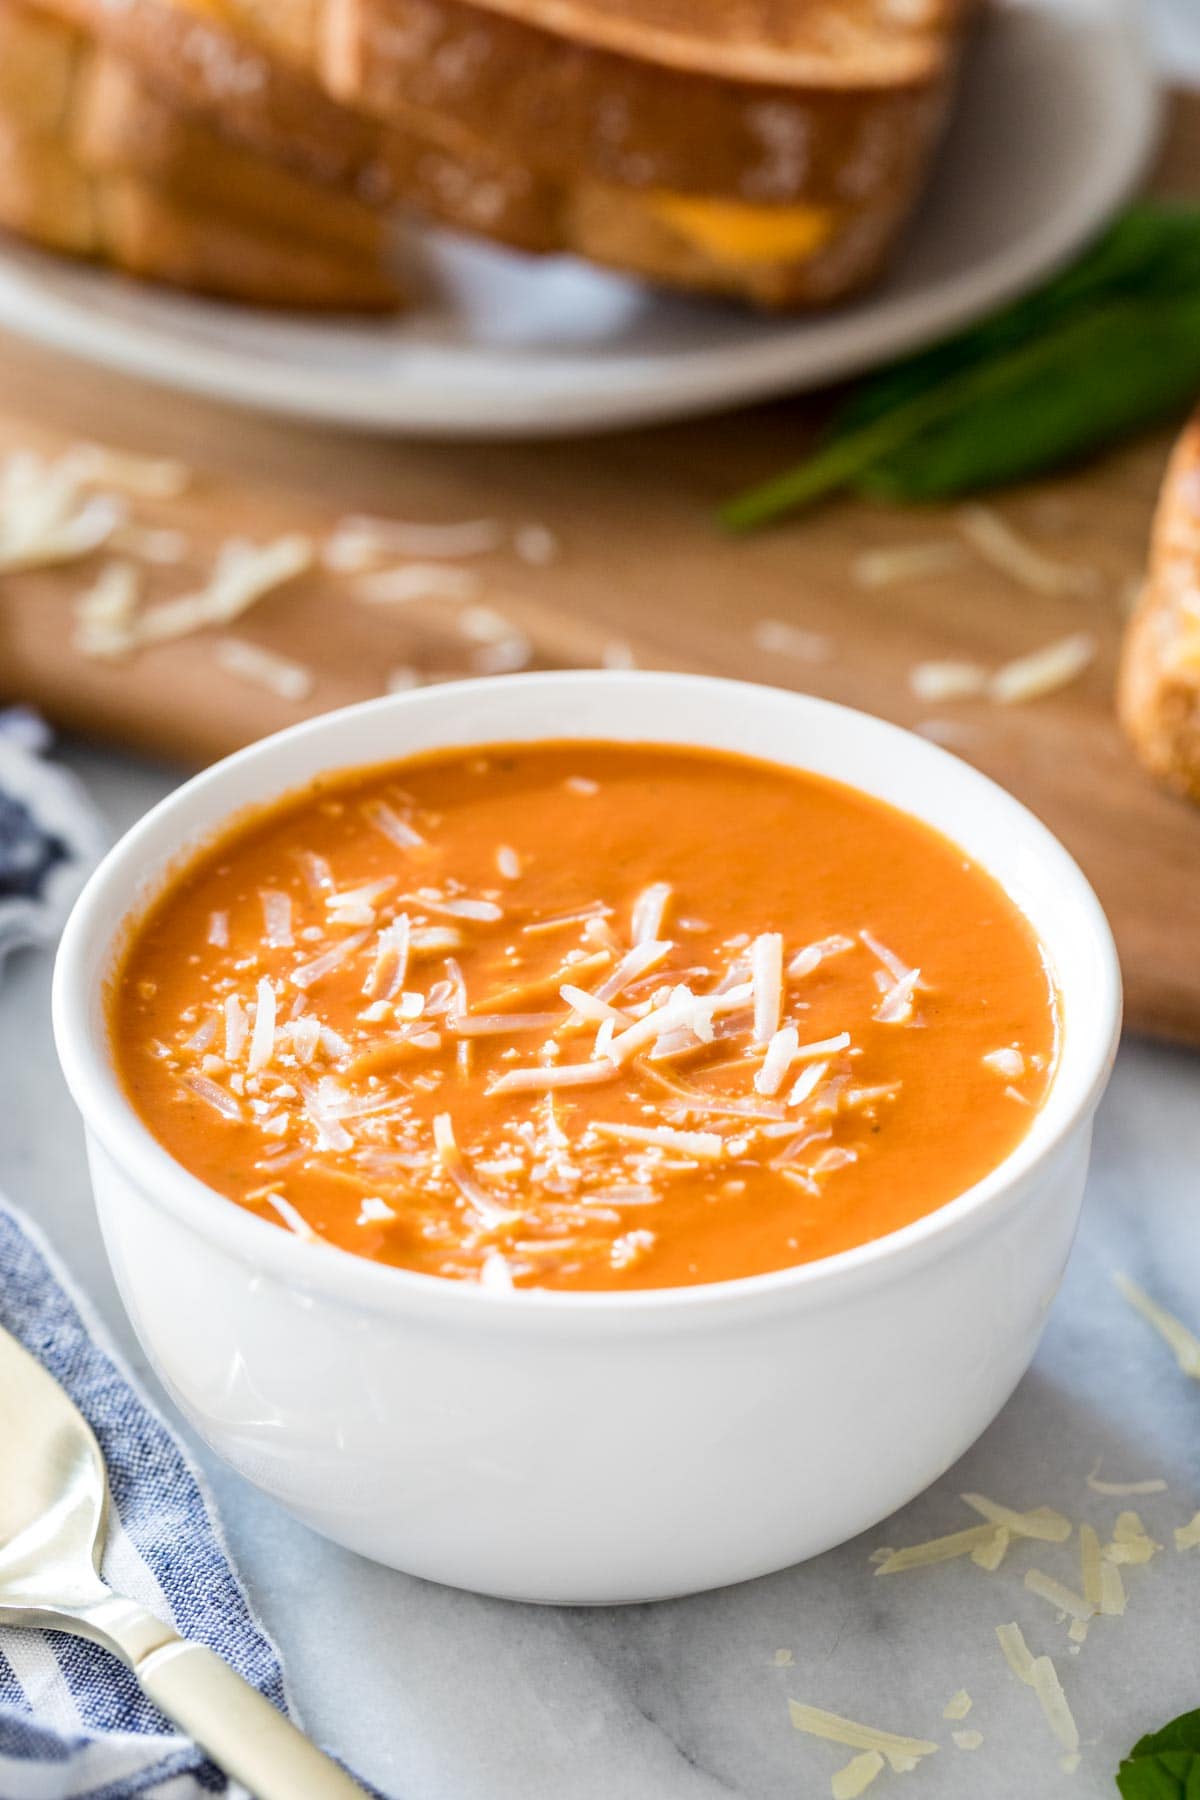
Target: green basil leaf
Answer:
pixel 1103 350
pixel 1165 1765
pixel 1097 381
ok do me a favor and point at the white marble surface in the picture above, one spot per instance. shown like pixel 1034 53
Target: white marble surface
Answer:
pixel 446 1696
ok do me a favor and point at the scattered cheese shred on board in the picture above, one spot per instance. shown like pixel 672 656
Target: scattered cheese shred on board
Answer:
pixel 995 540
pixel 958 1705
pixel 264 668
pixel 536 545
pixel 46 518
pixel 1183 1342
pixel 1187 1537
pixel 936 1550
pixel 778 638
pixel 416 581
pixel 707 1145
pixel 967 1740
pixel 1043 671
pixel 146 477
pixel 104 612
pixel 766 964
pixel 901 1752
pixel 857 1775
pixel 891 564
pixel 358 540
pixel 242 575
pixel 1043 1522
pixel 947 680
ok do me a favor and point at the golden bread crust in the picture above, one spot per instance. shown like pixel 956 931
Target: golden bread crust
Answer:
pixel 1158 695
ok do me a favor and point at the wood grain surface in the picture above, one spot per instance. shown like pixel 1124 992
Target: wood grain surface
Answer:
pixel 640 563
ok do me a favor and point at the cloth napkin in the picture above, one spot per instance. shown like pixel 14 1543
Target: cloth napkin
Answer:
pixel 74 1724
pixel 50 834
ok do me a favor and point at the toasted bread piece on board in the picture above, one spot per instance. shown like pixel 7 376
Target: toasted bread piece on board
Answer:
pixel 1159 688
pixel 71 179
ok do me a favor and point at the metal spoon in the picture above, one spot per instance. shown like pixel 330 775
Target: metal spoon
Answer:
pixel 53 1520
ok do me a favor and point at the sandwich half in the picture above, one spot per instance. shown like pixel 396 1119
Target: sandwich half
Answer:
pixel 761 149
pixel 96 164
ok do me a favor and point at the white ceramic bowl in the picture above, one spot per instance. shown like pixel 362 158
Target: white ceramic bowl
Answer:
pixel 596 1447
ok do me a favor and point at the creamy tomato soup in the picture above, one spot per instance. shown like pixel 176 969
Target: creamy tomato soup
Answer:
pixel 584 1016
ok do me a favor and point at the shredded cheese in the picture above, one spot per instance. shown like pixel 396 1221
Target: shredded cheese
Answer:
pixel 937 1550
pixel 145 477
pixel 1017 1653
pixel 947 680
pixel 649 913
pixel 708 1146
pixel 892 564
pixel 1153 1485
pixel 856 1776
pixel 903 1753
pixel 995 540
pixel 359 540
pixel 1043 1522
pixel 778 638
pixel 1174 1332
pixel 766 973
pixel 1187 1537
pixel 264 668
pixel 958 1705
pixel 1075 1606
pixel 1043 671
pixel 416 581
pixel 104 613
pixel 1053 1702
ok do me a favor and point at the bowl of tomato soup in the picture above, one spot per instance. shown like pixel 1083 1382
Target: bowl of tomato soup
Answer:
pixel 588 1137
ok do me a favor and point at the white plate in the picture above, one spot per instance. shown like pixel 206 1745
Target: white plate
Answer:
pixel 1055 122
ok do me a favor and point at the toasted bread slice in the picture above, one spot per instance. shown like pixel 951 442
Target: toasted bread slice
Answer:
pixel 121 128
pixel 109 172
pixel 842 98
pixel 781 198
pixel 1158 696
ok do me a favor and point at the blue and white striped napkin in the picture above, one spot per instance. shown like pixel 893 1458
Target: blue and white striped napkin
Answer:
pixel 74 1725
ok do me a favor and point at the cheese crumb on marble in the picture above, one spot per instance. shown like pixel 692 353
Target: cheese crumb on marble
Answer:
pixel 902 1753
pixel 856 1776
pixel 1184 1343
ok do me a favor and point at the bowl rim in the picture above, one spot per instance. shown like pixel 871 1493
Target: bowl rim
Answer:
pixel 359 1282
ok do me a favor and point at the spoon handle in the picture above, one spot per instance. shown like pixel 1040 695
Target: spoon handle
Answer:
pixel 241 1731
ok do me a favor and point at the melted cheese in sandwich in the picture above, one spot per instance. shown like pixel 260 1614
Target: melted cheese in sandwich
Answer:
pixel 733 231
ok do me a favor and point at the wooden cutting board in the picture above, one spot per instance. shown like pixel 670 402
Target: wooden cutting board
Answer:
pixel 640 563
